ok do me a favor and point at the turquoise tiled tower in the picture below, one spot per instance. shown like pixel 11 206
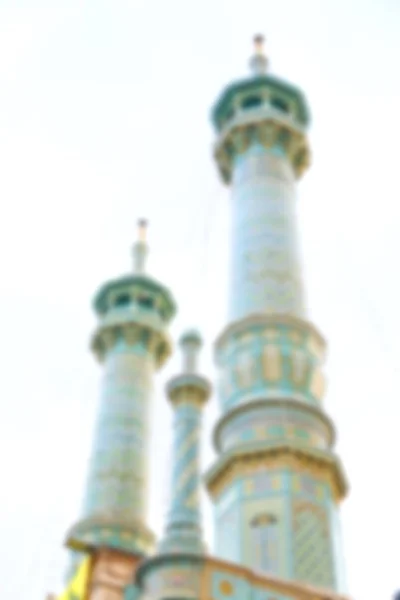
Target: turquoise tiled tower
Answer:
pixel 188 393
pixel 131 341
pixel 176 569
pixel 276 483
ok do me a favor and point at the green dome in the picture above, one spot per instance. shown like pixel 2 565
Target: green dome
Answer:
pixel 253 92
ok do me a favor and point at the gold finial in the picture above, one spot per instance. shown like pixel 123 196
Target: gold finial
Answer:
pixel 142 230
pixel 259 43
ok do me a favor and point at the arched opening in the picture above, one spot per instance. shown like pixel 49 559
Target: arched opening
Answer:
pixel 145 302
pixel 122 300
pixel 252 102
pixel 280 104
pixel 265 542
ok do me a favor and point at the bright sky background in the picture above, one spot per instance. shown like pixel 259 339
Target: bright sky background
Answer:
pixel 104 110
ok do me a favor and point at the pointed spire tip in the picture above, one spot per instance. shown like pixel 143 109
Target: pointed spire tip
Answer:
pixel 259 40
pixel 142 230
pixel 259 62
pixel 140 249
pixel 190 343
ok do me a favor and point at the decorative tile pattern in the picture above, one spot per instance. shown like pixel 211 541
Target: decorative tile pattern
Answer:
pixel 227 545
pixel 173 581
pixel 317 385
pixel 262 483
pixel 221 582
pixel 244 370
pixel 273 425
pixel 265 273
pixel 270 363
pixel 300 368
pixel 226 588
pixel 307 486
pixel 118 472
pixel 183 531
pixel 312 546
pixel 269 354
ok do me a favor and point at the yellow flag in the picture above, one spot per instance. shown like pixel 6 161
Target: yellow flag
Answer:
pixel 77 587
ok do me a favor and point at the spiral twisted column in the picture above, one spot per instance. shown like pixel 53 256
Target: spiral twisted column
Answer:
pixel 188 393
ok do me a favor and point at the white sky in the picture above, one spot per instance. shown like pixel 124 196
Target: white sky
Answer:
pixel 104 111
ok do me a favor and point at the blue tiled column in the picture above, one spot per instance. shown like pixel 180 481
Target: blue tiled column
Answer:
pixel 269 357
pixel 132 342
pixel 118 473
pixel 265 271
pixel 187 392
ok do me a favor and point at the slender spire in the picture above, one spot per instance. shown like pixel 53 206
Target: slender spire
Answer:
pixel 140 249
pixel 142 230
pixel 188 392
pixel 258 62
pixel 190 344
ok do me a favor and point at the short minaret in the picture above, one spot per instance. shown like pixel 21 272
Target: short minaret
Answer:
pixel 277 479
pixel 131 341
pixel 188 393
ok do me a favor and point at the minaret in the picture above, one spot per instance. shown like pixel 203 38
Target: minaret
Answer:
pixel 176 570
pixel 276 482
pixel 131 341
pixel 187 393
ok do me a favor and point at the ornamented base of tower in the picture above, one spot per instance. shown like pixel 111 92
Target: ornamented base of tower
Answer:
pixel 184 576
pixel 193 577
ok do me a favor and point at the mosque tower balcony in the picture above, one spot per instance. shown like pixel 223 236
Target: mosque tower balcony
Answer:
pixel 276 479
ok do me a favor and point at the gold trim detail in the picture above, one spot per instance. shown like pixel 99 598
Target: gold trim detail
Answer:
pixel 242 466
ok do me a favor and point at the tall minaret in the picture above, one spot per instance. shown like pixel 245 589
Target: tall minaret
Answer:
pixel 276 483
pixel 132 342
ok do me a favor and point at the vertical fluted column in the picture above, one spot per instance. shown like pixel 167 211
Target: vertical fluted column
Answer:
pixel 187 392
